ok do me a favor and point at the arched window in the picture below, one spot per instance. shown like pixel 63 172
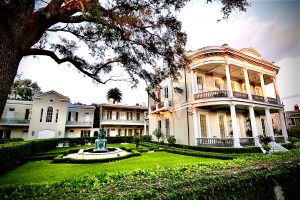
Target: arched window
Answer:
pixel 49 114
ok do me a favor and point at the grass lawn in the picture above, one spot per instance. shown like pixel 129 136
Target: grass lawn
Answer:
pixel 44 171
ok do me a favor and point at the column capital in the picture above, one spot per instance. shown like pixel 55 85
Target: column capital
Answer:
pixel 251 106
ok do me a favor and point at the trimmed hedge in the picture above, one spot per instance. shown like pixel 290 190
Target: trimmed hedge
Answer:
pixel 84 140
pixel 60 159
pixel 13 152
pixel 211 149
pixel 244 178
pixel 7 140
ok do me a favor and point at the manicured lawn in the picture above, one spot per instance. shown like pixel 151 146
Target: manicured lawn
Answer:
pixel 44 171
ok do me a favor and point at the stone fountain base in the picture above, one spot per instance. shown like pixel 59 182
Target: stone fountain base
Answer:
pixel 86 154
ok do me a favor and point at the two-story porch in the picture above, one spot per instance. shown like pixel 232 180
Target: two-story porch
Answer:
pixel 241 87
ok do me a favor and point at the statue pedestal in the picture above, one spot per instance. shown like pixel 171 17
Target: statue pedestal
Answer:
pixel 101 144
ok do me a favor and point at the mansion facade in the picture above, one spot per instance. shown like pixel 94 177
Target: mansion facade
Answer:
pixel 224 100
pixel 51 115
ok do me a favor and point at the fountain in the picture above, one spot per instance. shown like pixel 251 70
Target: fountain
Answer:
pixel 100 152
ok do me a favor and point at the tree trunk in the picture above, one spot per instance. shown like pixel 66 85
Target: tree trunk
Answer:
pixel 10 57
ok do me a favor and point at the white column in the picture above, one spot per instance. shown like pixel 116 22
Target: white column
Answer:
pixel 283 126
pixel 276 89
pixel 262 83
pixel 235 130
pixel 247 84
pixel 253 125
pixel 196 126
pixel 145 127
pixel 194 85
pixel 269 122
pixel 228 80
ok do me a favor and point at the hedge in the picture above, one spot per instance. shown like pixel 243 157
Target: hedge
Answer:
pixel 244 178
pixel 60 159
pixel 213 149
pixel 7 140
pixel 84 140
pixel 13 152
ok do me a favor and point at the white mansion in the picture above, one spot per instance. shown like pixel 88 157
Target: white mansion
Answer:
pixel 224 100
pixel 51 115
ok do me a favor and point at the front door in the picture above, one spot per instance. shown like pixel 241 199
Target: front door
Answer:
pixel 203 126
pixel 263 126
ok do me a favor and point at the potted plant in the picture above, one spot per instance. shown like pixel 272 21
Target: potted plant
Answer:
pixel 265 140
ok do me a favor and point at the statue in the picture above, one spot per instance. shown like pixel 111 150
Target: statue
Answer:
pixel 101 141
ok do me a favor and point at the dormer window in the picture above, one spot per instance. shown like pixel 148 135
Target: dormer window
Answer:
pixel 50 101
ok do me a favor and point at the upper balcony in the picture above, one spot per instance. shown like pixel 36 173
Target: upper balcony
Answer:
pixel 14 122
pixel 122 122
pixel 162 106
pixel 238 95
pixel 79 123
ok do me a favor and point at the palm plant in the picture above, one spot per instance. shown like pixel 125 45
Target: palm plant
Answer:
pixel 115 94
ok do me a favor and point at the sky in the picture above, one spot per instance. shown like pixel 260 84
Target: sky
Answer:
pixel 270 26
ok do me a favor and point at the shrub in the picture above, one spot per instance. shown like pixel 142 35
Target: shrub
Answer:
pixel 146 138
pixel 14 152
pixel 171 140
pixel 294 132
pixel 7 140
pixel 137 140
pixel 158 133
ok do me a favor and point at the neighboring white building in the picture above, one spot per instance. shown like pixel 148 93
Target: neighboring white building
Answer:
pixel 224 99
pixel 49 115
pixel 123 120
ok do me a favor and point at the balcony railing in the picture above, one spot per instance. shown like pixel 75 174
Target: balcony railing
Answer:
pixel 161 105
pixel 258 98
pixel 272 100
pixel 211 94
pixel 240 95
pixel 9 121
pixel 80 123
pixel 223 142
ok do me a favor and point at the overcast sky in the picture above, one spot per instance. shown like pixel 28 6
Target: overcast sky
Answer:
pixel 269 26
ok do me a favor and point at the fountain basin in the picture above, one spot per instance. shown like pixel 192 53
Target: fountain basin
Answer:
pixel 87 154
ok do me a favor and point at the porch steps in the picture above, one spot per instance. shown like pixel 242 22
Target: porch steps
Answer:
pixel 277 148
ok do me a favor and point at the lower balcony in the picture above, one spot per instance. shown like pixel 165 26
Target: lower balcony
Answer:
pixel 79 124
pixel 228 142
pixel 14 122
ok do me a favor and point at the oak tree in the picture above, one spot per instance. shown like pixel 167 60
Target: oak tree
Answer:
pixel 136 35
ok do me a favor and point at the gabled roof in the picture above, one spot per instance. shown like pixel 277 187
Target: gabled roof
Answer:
pixel 53 92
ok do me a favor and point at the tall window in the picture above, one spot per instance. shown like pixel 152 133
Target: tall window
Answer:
pixel 200 84
pixel 203 126
pixel 27 114
pixel 167 127
pixel 221 126
pixel 217 84
pixel 138 116
pixel 117 116
pixel 49 114
pixel 166 92
pixel 130 132
pixel 56 117
pixel 159 124
pixel 76 116
pixel 129 116
pixel 85 133
pixel 69 116
pixel 109 114
pixel 41 116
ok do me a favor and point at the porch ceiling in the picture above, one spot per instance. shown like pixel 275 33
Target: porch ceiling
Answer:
pixel 236 73
pixel 239 109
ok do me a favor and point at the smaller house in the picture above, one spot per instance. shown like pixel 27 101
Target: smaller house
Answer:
pixel 123 120
pixel 293 117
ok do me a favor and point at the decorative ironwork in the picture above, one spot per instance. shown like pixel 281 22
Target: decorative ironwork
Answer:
pixel 272 100
pixel 211 94
pixel 10 121
pixel 81 123
pixel 240 95
pixel 225 142
pixel 258 98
